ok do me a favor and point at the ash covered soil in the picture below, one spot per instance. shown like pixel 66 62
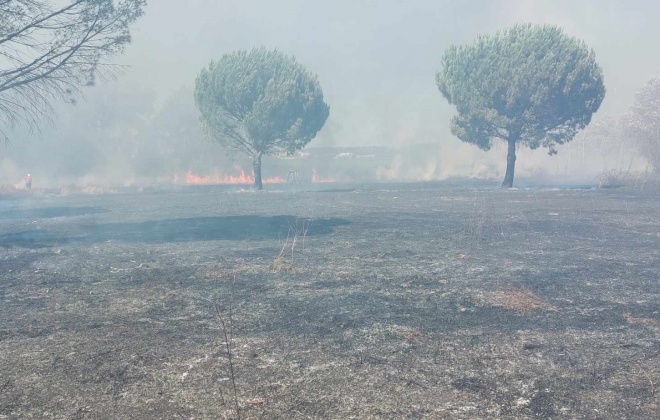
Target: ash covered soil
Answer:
pixel 381 301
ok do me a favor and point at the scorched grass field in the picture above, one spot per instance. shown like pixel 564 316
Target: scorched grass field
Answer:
pixel 377 301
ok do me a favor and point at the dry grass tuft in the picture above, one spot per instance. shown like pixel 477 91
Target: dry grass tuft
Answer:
pixel 521 300
pixel 618 178
pixel 285 261
pixel 282 265
pixel 218 275
pixel 256 402
pixel 409 333
pixel 226 273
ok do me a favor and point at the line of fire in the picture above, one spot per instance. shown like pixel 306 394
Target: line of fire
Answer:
pixel 320 165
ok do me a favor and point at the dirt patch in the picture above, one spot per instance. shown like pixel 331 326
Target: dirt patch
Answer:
pixel 520 300
pixel 649 322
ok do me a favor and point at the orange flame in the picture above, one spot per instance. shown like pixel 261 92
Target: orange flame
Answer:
pixel 316 178
pixel 225 178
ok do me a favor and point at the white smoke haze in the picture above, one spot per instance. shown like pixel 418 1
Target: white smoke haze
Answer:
pixel 147 151
pixel 10 173
pixel 376 62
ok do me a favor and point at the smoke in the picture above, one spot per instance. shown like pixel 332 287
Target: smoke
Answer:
pixel 10 173
pixel 117 136
pixel 156 144
pixel 581 161
pixel 376 68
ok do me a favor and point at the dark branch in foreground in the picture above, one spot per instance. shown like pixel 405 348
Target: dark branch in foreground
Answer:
pixel 48 52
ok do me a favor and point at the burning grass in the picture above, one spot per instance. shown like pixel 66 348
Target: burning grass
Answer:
pixel 316 178
pixel 239 178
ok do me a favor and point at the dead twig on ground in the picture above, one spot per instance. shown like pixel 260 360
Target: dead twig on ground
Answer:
pixel 228 336
pixel 484 223
pixel 285 260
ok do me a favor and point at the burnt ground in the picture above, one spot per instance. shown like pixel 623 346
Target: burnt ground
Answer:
pixel 382 301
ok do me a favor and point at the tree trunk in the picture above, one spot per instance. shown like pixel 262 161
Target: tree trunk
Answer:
pixel 510 164
pixel 256 164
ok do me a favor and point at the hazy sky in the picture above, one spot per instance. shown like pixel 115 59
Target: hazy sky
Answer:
pixel 376 60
